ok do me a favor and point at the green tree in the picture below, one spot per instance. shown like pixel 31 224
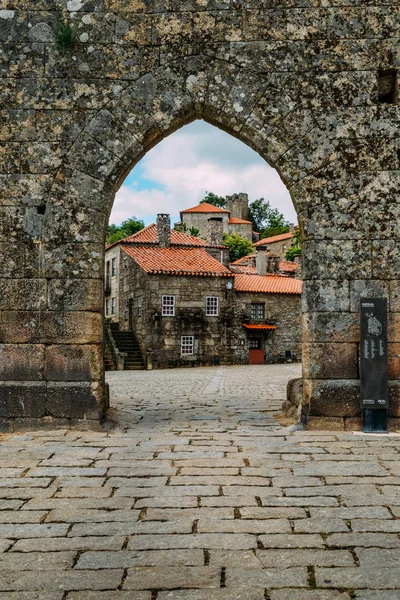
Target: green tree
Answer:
pixel 127 228
pixel 295 248
pixel 238 246
pixel 276 224
pixel 211 198
pixel 264 217
pixel 182 227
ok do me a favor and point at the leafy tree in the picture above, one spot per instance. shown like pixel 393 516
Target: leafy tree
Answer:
pixel 127 228
pixel 295 248
pixel 182 227
pixel 265 218
pixel 211 198
pixel 276 224
pixel 238 246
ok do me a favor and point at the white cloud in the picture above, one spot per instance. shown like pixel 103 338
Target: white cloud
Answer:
pixel 178 172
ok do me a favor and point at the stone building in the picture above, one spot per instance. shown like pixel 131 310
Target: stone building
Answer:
pixel 277 244
pixel 186 307
pixel 235 218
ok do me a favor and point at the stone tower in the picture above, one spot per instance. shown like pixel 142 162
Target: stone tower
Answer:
pixel 238 205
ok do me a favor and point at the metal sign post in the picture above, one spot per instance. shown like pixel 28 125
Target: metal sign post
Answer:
pixel 374 364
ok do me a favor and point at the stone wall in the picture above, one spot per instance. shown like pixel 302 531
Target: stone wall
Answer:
pixel 300 84
pixel 200 221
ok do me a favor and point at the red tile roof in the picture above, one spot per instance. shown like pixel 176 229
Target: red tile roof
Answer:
pixel 205 207
pixel 234 221
pixel 288 266
pixel 258 326
pixel 271 284
pixel 176 261
pixel 276 238
pixel 148 235
pixel 244 259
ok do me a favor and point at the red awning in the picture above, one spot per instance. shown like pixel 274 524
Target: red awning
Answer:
pixel 255 326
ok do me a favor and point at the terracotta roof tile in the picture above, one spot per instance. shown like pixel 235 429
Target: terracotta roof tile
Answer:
pixel 176 261
pixel 276 238
pixel 267 285
pixel 234 221
pixel 258 326
pixel 243 260
pixel 148 235
pixel 288 266
pixel 204 207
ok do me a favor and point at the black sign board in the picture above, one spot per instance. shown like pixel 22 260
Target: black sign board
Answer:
pixel 373 353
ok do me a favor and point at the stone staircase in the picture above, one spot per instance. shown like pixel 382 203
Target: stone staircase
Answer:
pixel 127 343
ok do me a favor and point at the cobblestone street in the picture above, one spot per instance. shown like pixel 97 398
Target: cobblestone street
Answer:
pixel 199 494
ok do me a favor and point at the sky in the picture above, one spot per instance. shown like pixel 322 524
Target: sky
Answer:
pixel 199 158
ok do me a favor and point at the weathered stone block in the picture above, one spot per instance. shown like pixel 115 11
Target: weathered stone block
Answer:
pixel 394 295
pixel 386 259
pixel 23 294
pixel 73 362
pixel 337 259
pixel 34 327
pixel 23 399
pixel 21 362
pixel 394 399
pixel 66 295
pixel 366 289
pixel 74 400
pixel 333 327
pixel 332 398
pixel 330 361
pixel 73 260
pixel 294 391
pixel 325 296
pixel 325 424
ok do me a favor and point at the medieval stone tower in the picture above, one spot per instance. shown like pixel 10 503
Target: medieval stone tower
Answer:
pixel 238 205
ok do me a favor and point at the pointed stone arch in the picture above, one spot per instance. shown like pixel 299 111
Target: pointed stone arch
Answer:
pixel 307 101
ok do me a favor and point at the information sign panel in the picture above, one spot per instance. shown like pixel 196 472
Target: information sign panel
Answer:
pixel 373 353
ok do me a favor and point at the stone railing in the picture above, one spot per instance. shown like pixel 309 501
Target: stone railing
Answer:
pixel 118 357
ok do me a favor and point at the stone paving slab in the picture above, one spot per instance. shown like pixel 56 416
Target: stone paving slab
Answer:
pixel 169 506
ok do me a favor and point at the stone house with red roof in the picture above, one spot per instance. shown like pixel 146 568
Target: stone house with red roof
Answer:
pixel 277 244
pixel 184 304
pixel 235 218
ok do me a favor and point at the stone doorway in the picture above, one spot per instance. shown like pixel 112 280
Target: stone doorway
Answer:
pixel 311 101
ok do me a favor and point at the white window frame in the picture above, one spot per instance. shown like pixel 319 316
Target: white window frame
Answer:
pixel 113 305
pixel 212 306
pixel 107 307
pixel 187 345
pixel 168 306
pixel 113 267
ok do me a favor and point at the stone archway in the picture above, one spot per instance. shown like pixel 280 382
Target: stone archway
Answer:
pixel 307 98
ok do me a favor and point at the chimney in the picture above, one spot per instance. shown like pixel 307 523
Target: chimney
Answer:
pixel 291 227
pixel 273 261
pixel 215 231
pixel 163 230
pixel 261 261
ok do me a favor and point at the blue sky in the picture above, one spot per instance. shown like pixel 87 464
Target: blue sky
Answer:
pixel 196 159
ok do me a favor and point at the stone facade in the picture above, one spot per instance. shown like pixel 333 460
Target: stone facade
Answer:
pixel 219 339
pixel 305 86
pixel 198 217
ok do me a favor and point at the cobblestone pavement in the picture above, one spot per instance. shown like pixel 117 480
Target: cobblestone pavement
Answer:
pixel 199 495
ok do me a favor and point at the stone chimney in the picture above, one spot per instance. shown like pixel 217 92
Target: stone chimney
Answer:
pixel 215 231
pixel 163 230
pixel 273 261
pixel 261 261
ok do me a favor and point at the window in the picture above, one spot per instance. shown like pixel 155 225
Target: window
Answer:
pixel 126 310
pixel 139 307
pixel 108 307
pixel 113 306
pixel 114 267
pixel 168 306
pixel 257 311
pixel 187 345
pixel 108 268
pixel 211 306
pixel 255 343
